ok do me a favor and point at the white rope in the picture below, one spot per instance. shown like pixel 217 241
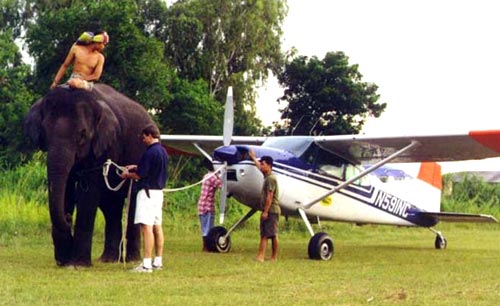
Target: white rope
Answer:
pixel 118 171
pixel 197 183
pixel 123 241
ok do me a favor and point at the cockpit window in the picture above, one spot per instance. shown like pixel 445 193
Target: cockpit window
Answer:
pixel 330 164
pixel 351 171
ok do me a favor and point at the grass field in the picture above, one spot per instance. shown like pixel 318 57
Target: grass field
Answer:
pixel 372 266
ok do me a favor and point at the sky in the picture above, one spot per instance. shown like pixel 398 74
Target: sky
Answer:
pixel 436 62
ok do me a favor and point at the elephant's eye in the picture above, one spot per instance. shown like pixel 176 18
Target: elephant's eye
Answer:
pixel 82 138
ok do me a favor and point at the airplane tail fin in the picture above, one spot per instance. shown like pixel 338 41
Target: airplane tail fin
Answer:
pixel 430 172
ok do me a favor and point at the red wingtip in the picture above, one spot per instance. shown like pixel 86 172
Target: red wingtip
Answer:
pixel 431 173
pixel 490 138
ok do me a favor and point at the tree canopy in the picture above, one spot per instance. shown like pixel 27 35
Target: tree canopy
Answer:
pixel 15 99
pixel 226 43
pixel 326 97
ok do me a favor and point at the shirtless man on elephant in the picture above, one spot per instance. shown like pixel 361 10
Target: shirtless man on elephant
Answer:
pixel 87 59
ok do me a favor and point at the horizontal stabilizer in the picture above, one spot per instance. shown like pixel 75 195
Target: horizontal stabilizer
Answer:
pixel 459 217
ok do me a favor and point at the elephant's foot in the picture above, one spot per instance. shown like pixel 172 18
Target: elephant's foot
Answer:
pixel 108 258
pixel 60 263
pixel 135 256
pixel 81 263
pixel 72 265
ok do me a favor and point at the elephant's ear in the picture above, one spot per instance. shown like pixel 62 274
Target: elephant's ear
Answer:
pixel 33 125
pixel 107 129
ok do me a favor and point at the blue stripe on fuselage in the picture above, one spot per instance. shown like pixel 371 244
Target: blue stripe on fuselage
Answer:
pixel 384 201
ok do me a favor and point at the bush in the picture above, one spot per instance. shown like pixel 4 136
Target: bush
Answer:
pixel 471 195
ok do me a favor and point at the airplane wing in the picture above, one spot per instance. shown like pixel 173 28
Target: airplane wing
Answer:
pixel 366 148
pixel 185 144
pixel 459 217
pixel 443 147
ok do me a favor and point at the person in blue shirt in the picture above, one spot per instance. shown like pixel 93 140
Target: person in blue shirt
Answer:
pixel 151 174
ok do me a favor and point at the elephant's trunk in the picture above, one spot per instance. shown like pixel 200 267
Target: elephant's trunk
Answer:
pixel 59 164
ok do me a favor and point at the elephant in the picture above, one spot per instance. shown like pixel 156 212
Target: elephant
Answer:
pixel 80 130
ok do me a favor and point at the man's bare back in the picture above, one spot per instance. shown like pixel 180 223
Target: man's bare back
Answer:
pixel 88 63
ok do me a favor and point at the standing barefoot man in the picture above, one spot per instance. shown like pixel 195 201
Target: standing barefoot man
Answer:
pixel 270 207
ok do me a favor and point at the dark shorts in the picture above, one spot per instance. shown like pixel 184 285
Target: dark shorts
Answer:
pixel 269 227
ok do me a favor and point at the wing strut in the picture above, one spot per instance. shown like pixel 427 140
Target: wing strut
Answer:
pixel 362 174
pixel 207 156
pixel 306 221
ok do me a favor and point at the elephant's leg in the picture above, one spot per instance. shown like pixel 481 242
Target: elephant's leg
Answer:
pixel 63 246
pixel 133 232
pixel 63 239
pixel 69 199
pixel 112 209
pixel 86 209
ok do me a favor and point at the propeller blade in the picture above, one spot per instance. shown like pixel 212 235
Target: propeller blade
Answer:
pixel 227 136
pixel 228 117
pixel 223 195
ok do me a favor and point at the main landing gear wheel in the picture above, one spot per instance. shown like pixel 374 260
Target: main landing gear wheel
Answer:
pixel 321 247
pixel 216 241
pixel 440 242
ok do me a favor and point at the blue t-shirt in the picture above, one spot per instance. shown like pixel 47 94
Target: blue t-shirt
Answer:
pixel 152 168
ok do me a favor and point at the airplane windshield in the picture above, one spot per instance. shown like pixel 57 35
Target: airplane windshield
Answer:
pixel 296 145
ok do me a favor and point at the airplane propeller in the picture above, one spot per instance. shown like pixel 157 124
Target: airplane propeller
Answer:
pixel 227 135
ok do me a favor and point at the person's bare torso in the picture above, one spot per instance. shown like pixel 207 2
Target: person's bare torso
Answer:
pixel 86 60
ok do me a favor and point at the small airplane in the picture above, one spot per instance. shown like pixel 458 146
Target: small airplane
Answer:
pixel 326 177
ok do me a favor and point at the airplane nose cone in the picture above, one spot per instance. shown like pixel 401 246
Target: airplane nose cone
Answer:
pixel 230 154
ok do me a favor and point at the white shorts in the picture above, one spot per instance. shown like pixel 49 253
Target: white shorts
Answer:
pixel 149 210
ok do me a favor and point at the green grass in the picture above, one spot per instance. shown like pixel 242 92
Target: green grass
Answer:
pixel 372 265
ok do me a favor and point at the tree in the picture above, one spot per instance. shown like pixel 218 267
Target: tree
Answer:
pixel 191 110
pixel 226 43
pixel 15 99
pixel 10 17
pixel 326 97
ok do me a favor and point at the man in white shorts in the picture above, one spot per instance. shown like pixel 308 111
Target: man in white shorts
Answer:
pixel 151 173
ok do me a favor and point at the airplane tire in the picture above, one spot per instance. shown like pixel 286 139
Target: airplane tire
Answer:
pixel 216 242
pixel 321 247
pixel 440 242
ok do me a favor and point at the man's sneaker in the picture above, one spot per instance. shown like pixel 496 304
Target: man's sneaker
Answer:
pixel 142 269
pixel 157 268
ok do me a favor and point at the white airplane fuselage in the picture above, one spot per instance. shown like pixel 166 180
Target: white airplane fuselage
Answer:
pixel 370 202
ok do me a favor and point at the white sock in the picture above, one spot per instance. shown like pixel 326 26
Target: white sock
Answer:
pixel 146 262
pixel 157 262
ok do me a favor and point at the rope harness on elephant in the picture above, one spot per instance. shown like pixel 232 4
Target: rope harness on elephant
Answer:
pixel 118 171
